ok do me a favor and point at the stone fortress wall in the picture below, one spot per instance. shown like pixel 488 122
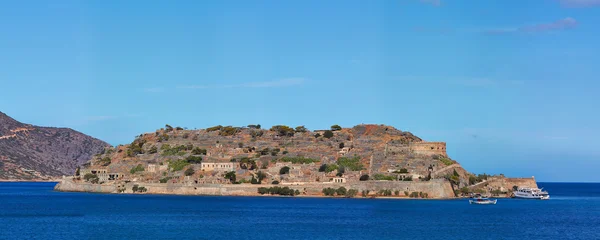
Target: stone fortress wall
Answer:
pixel 435 189
pixel 429 148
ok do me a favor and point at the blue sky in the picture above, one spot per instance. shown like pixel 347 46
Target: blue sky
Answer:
pixel 511 86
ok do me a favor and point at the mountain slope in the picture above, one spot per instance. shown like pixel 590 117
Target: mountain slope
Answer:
pixel 30 152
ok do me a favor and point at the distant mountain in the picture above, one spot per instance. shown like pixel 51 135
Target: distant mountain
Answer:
pixel 30 152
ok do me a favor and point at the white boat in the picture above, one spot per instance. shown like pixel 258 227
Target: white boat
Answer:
pixel 482 200
pixel 531 193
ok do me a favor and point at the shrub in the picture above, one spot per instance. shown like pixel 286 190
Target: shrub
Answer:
pixel 285 191
pixel 341 191
pixel 329 191
pixel 317 135
pixel 199 151
pixel 301 129
pixel 396 193
pixel 90 177
pixel 365 193
pixel 380 176
pixel 284 152
pixel 323 167
pixel 446 161
pixel 283 130
pixel 228 131
pixel 328 134
pixel 284 170
pixel 257 126
pixel 163 137
pixel 135 188
pixel 189 172
pixel 275 182
pixel 336 127
pixel 364 177
pixel 168 128
pixel 215 128
pixel 351 163
pixel 385 192
pixel 174 151
pixel 341 171
pixel 138 168
pixel 256 133
pixel 261 175
pixel 153 150
pixel 331 168
pixel 351 193
pixel 165 179
pixel 240 144
pixel 231 176
pixel 341 145
pixel 247 163
pixel 403 170
pixel 178 165
pixel 298 160
pixel 193 159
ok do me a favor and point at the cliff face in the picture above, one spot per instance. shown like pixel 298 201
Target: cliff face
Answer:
pixel 30 152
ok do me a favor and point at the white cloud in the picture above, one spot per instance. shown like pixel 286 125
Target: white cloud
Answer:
pixel 286 82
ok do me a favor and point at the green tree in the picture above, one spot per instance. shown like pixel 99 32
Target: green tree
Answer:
pixel 231 176
pixel 341 191
pixel 283 130
pixel 284 170
pixel 317 135
pixel 189 172
pixel 341 171
pixel 323 167
pixel 328 134
pixel 301 129
pixel 193 159
pixel 168 127
pixel 199 151
pixel 336 127
pixel 364 177
pixel 351 193
pixel 261 175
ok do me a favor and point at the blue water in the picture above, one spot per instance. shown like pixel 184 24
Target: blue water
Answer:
pixel 34 211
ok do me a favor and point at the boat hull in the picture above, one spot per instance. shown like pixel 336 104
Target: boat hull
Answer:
pixel 489 202
pixel 545 197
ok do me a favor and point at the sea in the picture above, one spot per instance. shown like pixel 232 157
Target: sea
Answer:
pixel 35 211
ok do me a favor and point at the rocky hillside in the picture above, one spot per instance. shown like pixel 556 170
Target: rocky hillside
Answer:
pixel 369 151
pixel 30 152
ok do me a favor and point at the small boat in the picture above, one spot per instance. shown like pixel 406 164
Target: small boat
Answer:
pixel 531 193
pixel 482 200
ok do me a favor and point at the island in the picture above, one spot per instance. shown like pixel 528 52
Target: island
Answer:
pixel 367 160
